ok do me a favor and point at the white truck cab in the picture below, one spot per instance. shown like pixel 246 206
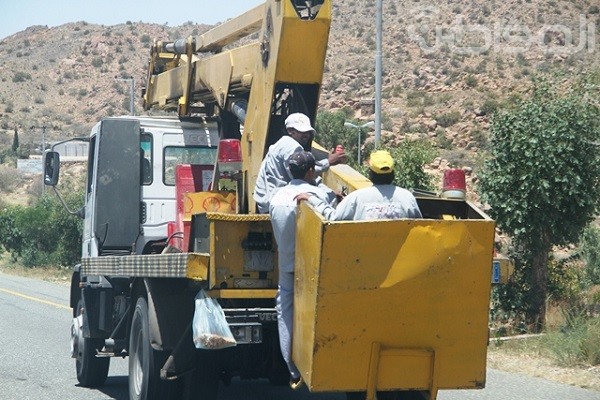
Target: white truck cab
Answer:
pixel 130 192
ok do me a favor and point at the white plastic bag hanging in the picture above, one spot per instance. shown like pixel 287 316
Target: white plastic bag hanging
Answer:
pixel 210 329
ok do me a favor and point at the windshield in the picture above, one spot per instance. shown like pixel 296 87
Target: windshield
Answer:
pixel 174 156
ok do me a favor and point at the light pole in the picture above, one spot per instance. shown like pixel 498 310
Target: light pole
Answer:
pixel 379 24
pixel 43 156
pixel 131 81
pixel 359 128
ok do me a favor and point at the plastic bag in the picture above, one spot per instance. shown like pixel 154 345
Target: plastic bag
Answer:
pixel 210 329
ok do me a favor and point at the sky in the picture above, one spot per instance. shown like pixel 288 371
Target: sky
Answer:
pixel 17 15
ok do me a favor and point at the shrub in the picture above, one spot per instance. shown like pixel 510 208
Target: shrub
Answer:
pixel 577 343
pixel 590 250
pixel 9 179
pixel 97 62
pixel 411 158
pixel 442 141
pixel 489 106
pixel 21 76
pixel 471 81
pixel 448 119
pixel 42 234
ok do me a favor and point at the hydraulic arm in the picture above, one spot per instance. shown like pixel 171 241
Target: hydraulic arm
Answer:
pixel 222 71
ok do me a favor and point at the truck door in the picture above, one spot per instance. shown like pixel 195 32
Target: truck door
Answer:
pixel 115 207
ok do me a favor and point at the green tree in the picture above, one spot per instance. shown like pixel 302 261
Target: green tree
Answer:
pixel 543 182
pixel 331 132
pixel 15 143
pixel 410 158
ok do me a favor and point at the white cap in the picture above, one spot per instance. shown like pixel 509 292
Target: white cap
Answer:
pixel 299 122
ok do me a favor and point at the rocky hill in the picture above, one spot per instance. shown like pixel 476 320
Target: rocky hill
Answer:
pixel 446 67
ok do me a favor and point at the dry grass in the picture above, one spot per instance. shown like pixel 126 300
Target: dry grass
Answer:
pixel 58 275
pixel 528 357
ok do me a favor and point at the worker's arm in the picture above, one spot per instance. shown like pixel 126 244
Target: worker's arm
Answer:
pixel 344 210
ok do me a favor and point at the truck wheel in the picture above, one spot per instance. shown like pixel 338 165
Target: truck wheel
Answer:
pixel 145 362
pixel 91 370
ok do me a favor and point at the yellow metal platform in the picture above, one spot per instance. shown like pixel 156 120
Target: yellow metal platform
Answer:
pixel 392 305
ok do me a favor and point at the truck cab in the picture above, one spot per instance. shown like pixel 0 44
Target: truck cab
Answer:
pixel 127 212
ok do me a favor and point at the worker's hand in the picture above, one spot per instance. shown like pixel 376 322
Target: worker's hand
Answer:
pixel 302 196
pixel 337 157
pixel 339 195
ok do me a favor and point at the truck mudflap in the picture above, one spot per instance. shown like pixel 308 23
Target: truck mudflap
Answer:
pixel 406 309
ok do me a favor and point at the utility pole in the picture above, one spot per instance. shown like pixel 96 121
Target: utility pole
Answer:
pixel 378 74
pixel 43 156
pixel 131 81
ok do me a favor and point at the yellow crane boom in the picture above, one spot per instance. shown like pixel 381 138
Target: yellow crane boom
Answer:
pixel 277 73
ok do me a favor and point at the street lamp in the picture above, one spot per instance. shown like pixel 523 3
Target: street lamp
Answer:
pixel 359 128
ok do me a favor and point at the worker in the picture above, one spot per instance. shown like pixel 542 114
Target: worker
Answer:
pixel 282 209
pixel 274 173
pixel 383 200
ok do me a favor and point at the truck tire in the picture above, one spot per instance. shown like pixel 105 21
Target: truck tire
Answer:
pixel 145 362
pixel 92 371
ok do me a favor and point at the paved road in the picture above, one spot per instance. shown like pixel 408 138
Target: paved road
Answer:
pixel 35 360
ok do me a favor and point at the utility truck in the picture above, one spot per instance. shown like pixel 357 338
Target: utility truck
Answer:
pixel 387 308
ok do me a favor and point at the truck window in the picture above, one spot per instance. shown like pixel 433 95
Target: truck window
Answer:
pixel 146 158
pixel 174 156
pixel 91 158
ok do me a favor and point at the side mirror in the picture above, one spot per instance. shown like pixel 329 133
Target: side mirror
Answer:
pixel 51 168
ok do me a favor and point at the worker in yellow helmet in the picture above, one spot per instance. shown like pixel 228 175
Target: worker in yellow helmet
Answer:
pixel 383 200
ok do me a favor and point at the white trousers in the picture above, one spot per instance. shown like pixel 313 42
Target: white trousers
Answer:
pixel 285 318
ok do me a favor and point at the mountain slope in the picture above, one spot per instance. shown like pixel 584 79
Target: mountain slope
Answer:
pixel 446 66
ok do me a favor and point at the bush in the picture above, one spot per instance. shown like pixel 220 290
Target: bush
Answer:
pixel 97 62
pixel 411 158
pixel 576 344
pixel 448 119
pixel 9 178
pixel 21 76
pixel 331 132
pixel 471 81
pixel 42 234
pixel 489 106
pixel 590 251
